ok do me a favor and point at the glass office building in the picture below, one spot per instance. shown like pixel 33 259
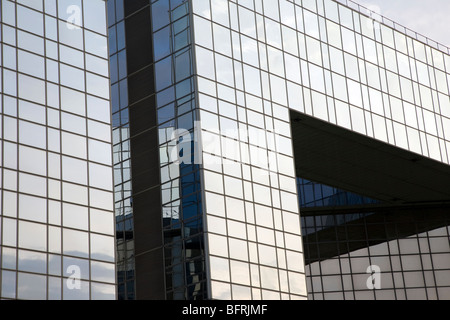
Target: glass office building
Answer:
pixel 260 149
pixel 278 150
pixel 57 218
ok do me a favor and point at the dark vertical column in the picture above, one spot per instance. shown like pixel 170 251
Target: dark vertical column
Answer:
pixel 149 268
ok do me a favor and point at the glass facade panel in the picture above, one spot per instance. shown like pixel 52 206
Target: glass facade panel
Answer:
pixel 227 73
pixel 394 260
pixel 246 201
pixel 378 83
pixel 48 170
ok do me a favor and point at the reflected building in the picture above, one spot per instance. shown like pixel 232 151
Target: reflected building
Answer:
pixel 57 218
pixel 278 150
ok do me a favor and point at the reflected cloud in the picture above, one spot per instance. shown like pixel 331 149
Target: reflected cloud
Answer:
pixel 32 287
pixel 428 18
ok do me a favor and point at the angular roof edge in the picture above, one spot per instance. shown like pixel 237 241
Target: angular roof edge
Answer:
pixel 394 25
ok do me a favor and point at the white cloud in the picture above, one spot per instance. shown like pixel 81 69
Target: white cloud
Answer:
pixel 428 18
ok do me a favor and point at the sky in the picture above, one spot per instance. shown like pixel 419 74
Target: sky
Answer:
pixel 427 17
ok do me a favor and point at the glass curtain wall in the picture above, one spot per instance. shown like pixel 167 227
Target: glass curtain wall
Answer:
pixel 56 222
pixel 255 60
pixel 362 250
pixel 121 150
pixel 254 239
pixel 180 176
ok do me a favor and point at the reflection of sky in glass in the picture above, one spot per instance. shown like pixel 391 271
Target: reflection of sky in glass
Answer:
pixel 78 294
pixel 32 287
pixel 312 194
pixel 326 275
pixel 428 18
pixel 46 87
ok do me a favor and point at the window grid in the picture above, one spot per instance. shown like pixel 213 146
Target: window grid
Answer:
pixel 397 267
pixel 121 150
pixel 182 220
pixel 34 173
pixel 240 67
pixel 419 137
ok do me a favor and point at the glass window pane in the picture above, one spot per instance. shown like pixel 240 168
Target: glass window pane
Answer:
pixel 75 243
pixel 97 85
pixel 220 12
pixel 101 221
pixel 202 8
pixel 32 134
pixel 238 249
pixel 99 130
pixel 72 77
pixel 205 63
pixel 219 269
pixel 31 287
pixel 54 288
pixel 370 50
pixel 30 20
pixel 75 216
pixel 269 278
pixel 80 294
pixel 51 31
pixel 9 230
pixel 160 14
pixel 75 268
pixel 50 7
pixel 354 93
pixel 32 261
pixel 32 208
pixel 100 176
pixel 73 123
pixel 73 145
pixel 203 34
pixel 32 160
pixel 101 291
pixel 100 152
pixel 240 272
pixel 32 112
pixel 8 283
pixel 73 101
pixel 218 245
pixel 94 15
pixel 101 199
pixel 54 245
pixel 97 65
pixel 70 10
pixel 334 33
pixel 32 236
pixel 71 56
pixel 222 40
pixel 250 51
pixel 69 34
pixel 98 109
pixel 247 22
pixel 74 193
pixel 31 64
pixel 102 247
pixel 31 89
